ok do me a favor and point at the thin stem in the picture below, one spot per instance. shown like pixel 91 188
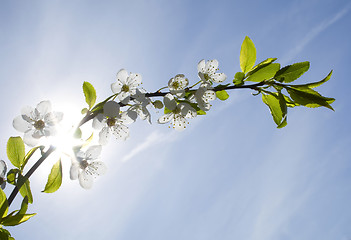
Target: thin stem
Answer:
pixel 29 173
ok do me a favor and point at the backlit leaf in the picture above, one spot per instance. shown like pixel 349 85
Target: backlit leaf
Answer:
pixel 309 98
pixel 89 93
pixel 247 55
pixel 222 95
pixel 15 151
pixel 55 178
pixel 264 73
pixel 25 188
pixel 292 72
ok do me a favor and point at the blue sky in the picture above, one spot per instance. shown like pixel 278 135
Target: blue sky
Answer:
pixel 230 174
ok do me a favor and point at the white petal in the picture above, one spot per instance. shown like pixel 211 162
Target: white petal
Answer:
pixel 99 122
pixel 111 109
pixel 122 76
pixel 201 66
pixel 44 107
pixel 209 95
pixel 85 180
pixel 211 66
pixel 50 131
pixel 74 170
pixel 121 132
pixel 53 118
pixel 169 101
pixel 29 139
pixel 104 135
pixel 21 125
pixel 93 152
pixel 179 93
pixel 166 118
pixel 124 97
pixel 28 113
pixel 97 168
pixel 134 80
pixel 3 168
pixel 116 87
pixel 219 77
pixel 179 123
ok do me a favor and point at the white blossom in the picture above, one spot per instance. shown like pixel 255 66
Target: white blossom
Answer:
pixel 37 122
pixel 177 85
pixel 113 122
pixel 204 95
pixel 3 170
pixel 85 167
pixel 126 85
pixel 207 71
pixel 178 112
pixel 140 106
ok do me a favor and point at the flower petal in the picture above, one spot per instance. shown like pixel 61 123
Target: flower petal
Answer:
pixel 165 118
pixel 52 118
pixel 97 168
pixel 211 66
pixel 219 77
pixel 111 109
pixel 93 152
pixel 121 132
pixel 29 139
pixel 169 101
pixel 44 107
pixel 116 87
pixel 85 180
pixel 28 113
pixel 179 123
pixel 21 125
pixel 74 170
pixel 201 66
pixel 3 168
pixel 104 135
pixel 99 121
pixel 122 76
pixel 134 80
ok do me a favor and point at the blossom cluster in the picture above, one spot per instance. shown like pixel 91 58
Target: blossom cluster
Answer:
pixel 127 103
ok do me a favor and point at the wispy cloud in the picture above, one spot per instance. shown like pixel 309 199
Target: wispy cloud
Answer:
pixel 315 32
pixel 153 139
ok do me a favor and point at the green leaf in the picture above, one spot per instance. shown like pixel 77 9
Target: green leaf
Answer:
pixel 12 175
pixel 277 107
pixel 261 65
pixel 200 112
pixel 25 188
pixel 4 205
pixel 84 111
pixel 247 55
pixel 15 151
pixel 166 110
pixel 314 84
pixel 55 178
pixel 24 206
pixel 222 95
pixel 309 98
pixel 28 156
pixel 78 133
pixel 264 73
pixel 17 219
pixel 89 93
pixel 5 235
pixel 292 72
pixel 239 78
